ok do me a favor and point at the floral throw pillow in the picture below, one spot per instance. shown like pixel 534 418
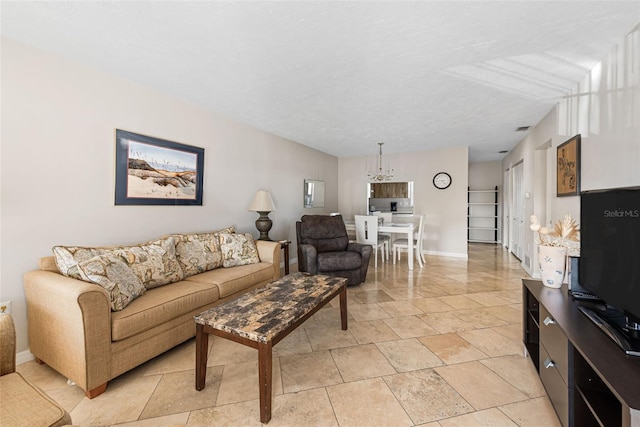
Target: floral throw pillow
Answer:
pixel 238 249
pixel 114 275
pixel 200 252
pixel 68 257
pixel 154 263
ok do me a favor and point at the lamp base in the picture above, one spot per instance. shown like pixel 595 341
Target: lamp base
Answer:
pixel 264 224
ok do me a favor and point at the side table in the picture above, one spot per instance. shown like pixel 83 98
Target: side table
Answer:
pixel 284 244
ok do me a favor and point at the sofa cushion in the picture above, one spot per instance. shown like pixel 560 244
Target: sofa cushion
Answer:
pixel 114 275
pixel 48 263
pixel 199 252
pixel 232 280
pixel 161 305
pixel 238 249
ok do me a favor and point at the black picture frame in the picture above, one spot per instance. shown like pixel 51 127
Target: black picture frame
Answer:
pixel 153 171
pixel 568 167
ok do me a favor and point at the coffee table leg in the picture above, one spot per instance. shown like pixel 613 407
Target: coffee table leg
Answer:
pixel 343 308
pixel 202 347
pixel 264 379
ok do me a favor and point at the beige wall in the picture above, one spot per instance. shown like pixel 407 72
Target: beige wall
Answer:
pixel 605 109
pixel 485 175
pixel 57 166
pixel 445 211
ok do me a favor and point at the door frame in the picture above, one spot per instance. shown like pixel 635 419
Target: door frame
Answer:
pixel 517 210
pixel 506 207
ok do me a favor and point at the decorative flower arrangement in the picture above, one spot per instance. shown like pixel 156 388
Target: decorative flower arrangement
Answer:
pixel 553 247
pixel 565 233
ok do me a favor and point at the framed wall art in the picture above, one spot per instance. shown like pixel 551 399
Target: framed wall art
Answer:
pixel 152 171
pixel 568 168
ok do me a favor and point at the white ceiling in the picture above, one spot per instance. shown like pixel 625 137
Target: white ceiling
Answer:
pixel 342 76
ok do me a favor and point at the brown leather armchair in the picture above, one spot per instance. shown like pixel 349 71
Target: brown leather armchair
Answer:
pixel 324 248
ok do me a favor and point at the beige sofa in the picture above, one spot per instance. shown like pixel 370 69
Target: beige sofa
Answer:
pixel 73 329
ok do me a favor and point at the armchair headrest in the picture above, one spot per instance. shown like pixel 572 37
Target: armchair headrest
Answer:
pixel 326 233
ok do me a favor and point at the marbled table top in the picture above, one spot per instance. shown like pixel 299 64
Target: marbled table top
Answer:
pixel 261 314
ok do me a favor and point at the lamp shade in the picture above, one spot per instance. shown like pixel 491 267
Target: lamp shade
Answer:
pixel 262 202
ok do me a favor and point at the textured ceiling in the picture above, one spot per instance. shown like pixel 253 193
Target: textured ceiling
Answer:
pixel 342 76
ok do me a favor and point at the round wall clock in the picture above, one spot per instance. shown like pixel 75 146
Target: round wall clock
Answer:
pixel 442 180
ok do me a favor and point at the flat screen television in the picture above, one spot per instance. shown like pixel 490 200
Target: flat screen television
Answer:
pixel 609 265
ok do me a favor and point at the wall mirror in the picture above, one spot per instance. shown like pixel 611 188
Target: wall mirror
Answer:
pixel 390 197
pixel 313 193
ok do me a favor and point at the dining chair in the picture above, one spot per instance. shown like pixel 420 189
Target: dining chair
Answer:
pixel 386 218
pixel 400 245
pixel 367 233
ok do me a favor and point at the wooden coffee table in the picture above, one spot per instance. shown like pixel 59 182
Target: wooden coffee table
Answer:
pixel 263 317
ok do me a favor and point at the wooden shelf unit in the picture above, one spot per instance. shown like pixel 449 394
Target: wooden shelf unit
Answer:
pixel 483 215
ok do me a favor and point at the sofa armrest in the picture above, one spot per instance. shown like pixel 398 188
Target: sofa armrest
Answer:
pixel 269 251
pixel 69 324
pixel 361 248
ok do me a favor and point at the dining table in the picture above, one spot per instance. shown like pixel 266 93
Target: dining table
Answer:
pixel 393 228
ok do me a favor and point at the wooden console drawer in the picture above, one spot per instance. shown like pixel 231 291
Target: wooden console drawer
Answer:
pixel 555 386
pixel 555 344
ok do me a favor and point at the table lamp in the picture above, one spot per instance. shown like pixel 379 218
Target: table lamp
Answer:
pixel 263 204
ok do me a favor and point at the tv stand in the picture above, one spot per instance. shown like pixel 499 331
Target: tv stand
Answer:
pixel 590 381
pixel 629 347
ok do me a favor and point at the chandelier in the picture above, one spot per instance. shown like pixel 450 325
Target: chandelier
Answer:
pixel 379 175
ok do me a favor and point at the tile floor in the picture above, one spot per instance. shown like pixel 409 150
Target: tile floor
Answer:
pixel 437 347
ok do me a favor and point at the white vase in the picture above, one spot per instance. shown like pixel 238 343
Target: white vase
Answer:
pixel 553 262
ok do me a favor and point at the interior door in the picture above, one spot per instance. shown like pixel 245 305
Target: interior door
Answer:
pixel 517 211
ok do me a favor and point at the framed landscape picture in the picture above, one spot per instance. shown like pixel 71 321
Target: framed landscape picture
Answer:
pixel 568 168
pixel 152 171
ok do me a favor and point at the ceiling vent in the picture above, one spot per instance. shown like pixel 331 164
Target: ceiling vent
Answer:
pixel 523 128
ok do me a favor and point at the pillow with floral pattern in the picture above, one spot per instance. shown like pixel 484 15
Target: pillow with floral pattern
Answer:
pixel 199 252
pixel 238 249
pixel 112 273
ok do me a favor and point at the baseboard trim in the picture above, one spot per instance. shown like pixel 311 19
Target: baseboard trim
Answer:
pixel 447 254
pixel 24 357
